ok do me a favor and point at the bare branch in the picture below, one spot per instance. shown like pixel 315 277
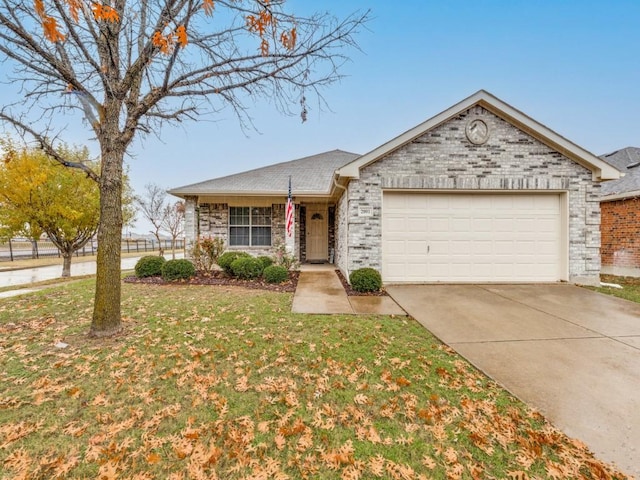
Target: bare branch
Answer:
pixel 48 147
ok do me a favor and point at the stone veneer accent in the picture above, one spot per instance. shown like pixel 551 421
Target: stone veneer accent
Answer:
pixel 342 233
pixel 213 221
pixel 444 159
pixel 190 222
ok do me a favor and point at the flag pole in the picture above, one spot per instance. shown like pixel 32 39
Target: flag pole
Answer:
pixel 289 234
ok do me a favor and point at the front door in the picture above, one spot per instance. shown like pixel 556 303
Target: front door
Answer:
pixel 317 233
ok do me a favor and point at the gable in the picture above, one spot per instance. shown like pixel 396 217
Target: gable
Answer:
pixel 445 151
pixel 600 169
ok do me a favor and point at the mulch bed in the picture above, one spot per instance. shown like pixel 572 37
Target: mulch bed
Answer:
pixel 220 278
pixel 352 293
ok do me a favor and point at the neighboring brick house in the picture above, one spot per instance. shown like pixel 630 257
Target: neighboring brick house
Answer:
pixel 620 206
pixel 478 193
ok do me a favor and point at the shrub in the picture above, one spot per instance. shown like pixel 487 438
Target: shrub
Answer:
pixel 283 258
pixel 365 280
pixel 226 259
pixel 247 267
pixel 180 269
pixel 206 252
pixel 266 261
pixel 149 266
pixel 275 274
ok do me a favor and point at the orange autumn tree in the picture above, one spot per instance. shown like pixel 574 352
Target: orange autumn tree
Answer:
pixel 128 67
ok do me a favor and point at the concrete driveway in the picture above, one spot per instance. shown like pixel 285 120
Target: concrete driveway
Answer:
pixel 571 353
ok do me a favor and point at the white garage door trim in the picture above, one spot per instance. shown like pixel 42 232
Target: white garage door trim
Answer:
pixel 472 237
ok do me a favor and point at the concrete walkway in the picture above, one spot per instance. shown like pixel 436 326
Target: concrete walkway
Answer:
pixel 571 353
pixel 320 291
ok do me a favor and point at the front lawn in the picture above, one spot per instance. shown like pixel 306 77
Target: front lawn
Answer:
pixel 630 287
pixel 222 382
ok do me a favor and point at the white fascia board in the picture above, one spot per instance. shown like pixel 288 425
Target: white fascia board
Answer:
pixel 294 193
pixel 620 196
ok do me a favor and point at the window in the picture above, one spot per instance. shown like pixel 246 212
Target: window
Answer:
pixel 250 226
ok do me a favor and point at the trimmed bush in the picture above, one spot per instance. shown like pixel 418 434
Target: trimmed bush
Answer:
pixel 365 280
pixel 266 261
pixel 247 267
pixel 227 258
pixel 275 274
pixel 205 253
pixel 149 266
pixel 180 269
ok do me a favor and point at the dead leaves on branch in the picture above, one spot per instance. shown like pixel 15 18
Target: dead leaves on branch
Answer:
pixel 261 23
pixel 233 388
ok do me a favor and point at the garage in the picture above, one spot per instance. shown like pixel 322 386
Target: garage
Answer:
pixel 473 237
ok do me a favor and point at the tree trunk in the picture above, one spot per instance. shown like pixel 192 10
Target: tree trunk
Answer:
pixel 66 264
pixel 160 249
pixel 106 308
pixel 34 249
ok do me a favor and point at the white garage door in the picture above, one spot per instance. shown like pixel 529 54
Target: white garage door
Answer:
pixel 462 237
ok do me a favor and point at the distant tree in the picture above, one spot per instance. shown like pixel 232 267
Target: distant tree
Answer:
pixel 132 65
pixel 173 222
pixel 153 208
pixel 37 195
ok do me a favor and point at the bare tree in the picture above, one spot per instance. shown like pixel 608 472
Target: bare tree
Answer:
pixel 130 66
pixel 173 222
pixel 154 209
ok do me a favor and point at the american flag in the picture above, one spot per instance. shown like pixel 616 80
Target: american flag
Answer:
pixel 289 213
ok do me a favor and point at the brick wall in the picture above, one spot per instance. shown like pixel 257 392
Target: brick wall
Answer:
pixel 620 229
pixel 444 159
pixel 213 221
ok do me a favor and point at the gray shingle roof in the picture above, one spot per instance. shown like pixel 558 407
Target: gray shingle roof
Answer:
pixel 622 160
pixel 309 175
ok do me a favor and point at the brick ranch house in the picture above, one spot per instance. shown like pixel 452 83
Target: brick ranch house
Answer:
pixel 620 206
pixel 478 193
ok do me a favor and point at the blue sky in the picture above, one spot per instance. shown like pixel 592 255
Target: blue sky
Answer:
pixel 574 66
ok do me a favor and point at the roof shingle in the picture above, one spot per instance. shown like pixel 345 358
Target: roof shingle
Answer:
pixel 309 175
pixel 627 161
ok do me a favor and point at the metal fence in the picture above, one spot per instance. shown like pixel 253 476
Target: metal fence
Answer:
pixel 21 249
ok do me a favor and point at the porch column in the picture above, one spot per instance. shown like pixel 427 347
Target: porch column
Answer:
pixel 190 222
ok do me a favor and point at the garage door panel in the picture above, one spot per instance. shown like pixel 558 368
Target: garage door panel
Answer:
pixel 461 237
pixel 416 247
pixel 437 202
pixel 503 225
pixel 460 247
pixel 416 224
pixel 482 224
pixel 395 248
pixel 460 224
pixel 481 248
pixel 439 224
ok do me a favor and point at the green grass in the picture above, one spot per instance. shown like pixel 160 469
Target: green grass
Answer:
pixel 220 382
pixel 630 287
